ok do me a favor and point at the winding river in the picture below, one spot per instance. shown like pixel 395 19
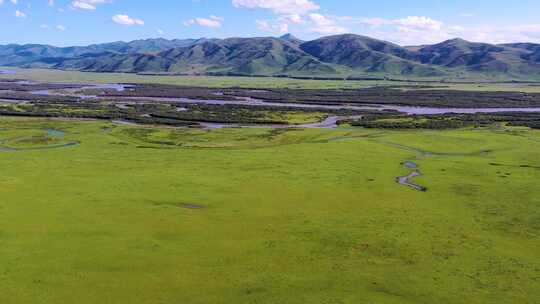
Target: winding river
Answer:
pixel 329 122
pixel 247 101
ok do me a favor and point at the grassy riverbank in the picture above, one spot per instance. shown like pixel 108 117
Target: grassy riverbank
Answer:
pixel 158 215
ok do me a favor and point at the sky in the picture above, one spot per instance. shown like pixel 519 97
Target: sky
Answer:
pixel 406 22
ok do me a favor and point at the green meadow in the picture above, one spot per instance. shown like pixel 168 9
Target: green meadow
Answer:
pixel 94 212
pixel 50 75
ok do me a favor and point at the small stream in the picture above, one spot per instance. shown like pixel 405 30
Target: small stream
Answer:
pixel 7 72
pixel 50 132
pixel 73 92
pixel 406 180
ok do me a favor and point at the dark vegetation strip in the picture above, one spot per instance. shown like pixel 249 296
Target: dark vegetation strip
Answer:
pixel 154 112
pixel 395 95
pixel 446 121
pixel 116 105
pixel 26 86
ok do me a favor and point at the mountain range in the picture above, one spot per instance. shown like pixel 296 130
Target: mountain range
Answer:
pixel 340 56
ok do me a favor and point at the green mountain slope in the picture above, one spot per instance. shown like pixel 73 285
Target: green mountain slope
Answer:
pixel 510 59
pixel 23 54
pixel 367 55
pixel 243 56
pixel 334 56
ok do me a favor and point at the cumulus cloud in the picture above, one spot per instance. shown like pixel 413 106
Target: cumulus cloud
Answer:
pixel 216 18
pixel 407 30
pixel 87 4
pixel 500 34
pixel 410 22
pixel 372 22
pixel 126 20
pixel 289 12
pixel 20 14
pixel 419 22
pixel 414 30
pixel 59 27
pixel 212 21
pixel 322 24
pixel 267 26
pixel 285 7
pixel 293 18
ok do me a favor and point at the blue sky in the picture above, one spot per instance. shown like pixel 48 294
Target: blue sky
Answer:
pixel 79 22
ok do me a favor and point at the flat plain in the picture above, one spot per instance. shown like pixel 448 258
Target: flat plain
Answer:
pixel 93 211
pixel 49 75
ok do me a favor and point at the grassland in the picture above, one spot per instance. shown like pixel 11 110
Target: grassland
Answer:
pixel 49 75
pixel 160 215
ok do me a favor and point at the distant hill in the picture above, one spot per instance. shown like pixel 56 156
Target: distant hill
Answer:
pixel 141 46
pixel 510 59
pixel 14 54
pixel 291 38
pixel 338 56
pixel 534 57
pixel 242 56
pixel 367 55
pixel 525 46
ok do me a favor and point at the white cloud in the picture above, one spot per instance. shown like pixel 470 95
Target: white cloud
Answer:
pixel 207 22
pixel 407 30
pixel 126 20
pixel 160 31
pixel 414 30
pixel 20 14
pixel 324 25
pixel 87 4
pixel 15 2
pixel 216 18
pixel 290 12
pixel 285 7
pixel 419 22
pixel 51 2
pixel 59 27
pixel 212 21
pixel 410 22
pixel 373 22
pixel 293 18
pixel 266 26
pixel 502 34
